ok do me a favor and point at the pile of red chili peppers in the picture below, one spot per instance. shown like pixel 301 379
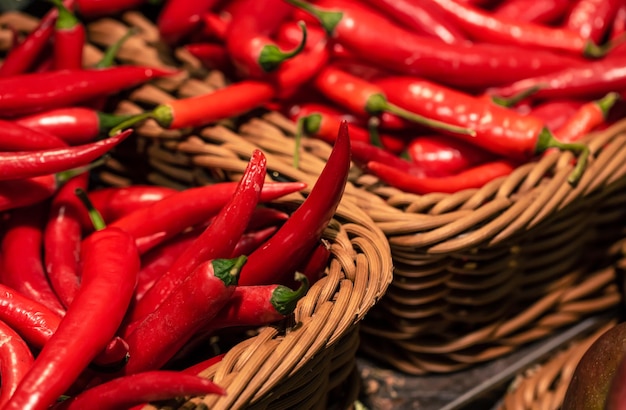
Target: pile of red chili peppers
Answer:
pixel 104 291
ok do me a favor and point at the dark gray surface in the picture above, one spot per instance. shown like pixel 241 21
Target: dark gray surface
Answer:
pixel 477 388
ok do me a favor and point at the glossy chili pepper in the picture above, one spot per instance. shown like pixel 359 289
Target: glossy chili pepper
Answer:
pixel 192 304
pixel 211 55
pixel 16 137
pixel 190 207
pixel 363 152
pixel 314 266
pixel 69 39
pixel 30 93
pixel 322 121
pixel 277 259
pixel 177 19
pixel 215 26
pixel 531 11
pixel 484 26
pixel 127 391
pixel 18 193
pixel 250 241
pixel 365 98
pixel 586 119
pixel 27 164
pixel 15 361
pixel 421 18
pixel 289 34
pixel 555 113
pixel 62 239
pixel 498 129
pixel 475 65
pixel 74 125
pixel 22 57
pixel 474 177
pixel 248 40
pixel 594 79
pixel 618 28
pixel 217 241
pixel 591 19
pixel 441 155
pixel 100 8
pixel 114 203
pixel 22 264
pixel 110 264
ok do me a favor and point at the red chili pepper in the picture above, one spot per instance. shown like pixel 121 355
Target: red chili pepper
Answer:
pixel 248 40
pixel 289 34
pixel 22 57
pixel 473 65
pixel 365 98
pixel 211 55
pixel 314 266
pixel 127 391
pixel 555 113
pixel 591 80
pixel 114 203
pixel 485 26
pixel 16 137
pixel 15 361
pixel 110 264
pixel 192 304
pixel 27 164
pixel 74 125
pixel 440 155
pixel 250 241
pixel 217 241
pixel 421 18
pixel 531 11
pixel 190 207
pixel 474 177
pixel 204 364
pixel 22 265
pixel 363 152
pixel 276 260
pixel 100 8
pixel 69 39
pixel 322 121
pixel 215 26
pixel 24 192
pixel 30 93
pixel 586 119
pixel 62 239
pixel 591 19
pixel 618 28
pixel 498 129
pixel 178 19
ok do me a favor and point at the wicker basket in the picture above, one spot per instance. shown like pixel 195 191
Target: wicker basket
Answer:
pixel 309 360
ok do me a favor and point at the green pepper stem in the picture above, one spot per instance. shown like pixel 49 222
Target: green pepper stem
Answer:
pixel 372 128
pixel 158 114
pixel 272 57
pixel 311 123
pixel 328 19
pixel 515 98
pixel 607 102
pixel 594 50
pixel 546 140
pixel 378 103
pixel 64 176
pixel 96 218
pixel 66 19
pixel 285 300
pixel 228 269
pixel 108 59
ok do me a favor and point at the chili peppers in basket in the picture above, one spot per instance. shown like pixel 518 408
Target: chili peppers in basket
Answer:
pixel 69 39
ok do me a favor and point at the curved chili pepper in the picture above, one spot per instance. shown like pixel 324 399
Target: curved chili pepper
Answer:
pixel 474 177
pixel 555 113
pixel 586 119
pixel 217 241
pixel 22 57
pixel 69 39
pixel 250 241
pixel 16 137
pixel 99 8
pixel 365 98
pixel 114 203
pixel 74 125
pixel 192 304
pixel 593 79
pixel 422 18
pixel 178 19
pixel 474 65
pixel 22 265
pixel 127 391
pixel 485 26
pixel 15 361
pixel 30 93
pixel 591 19
pixel 277 259
pixel 110 264
pixel 19 193
pixel 27 164
pixel 498 129
pixel 322 121
pixel 531 11
pixel 211 55
pixel 314 266
pixel 440 155
pixel 363 152
pixel 190 207
pixel 62 239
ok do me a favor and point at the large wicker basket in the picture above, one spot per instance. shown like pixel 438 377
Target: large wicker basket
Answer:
pixel 308 360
